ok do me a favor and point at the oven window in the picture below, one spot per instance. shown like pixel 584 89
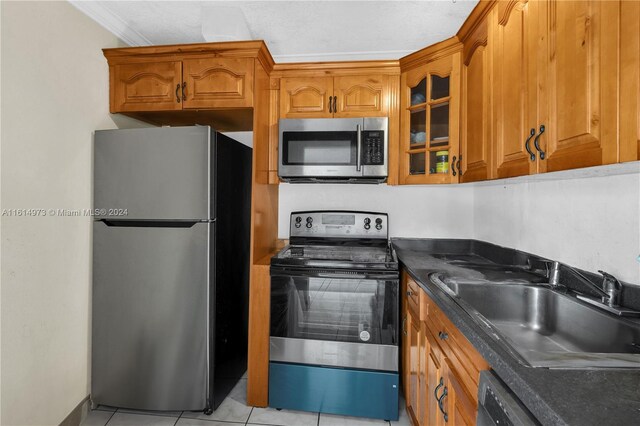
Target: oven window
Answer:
pixel 319 148
pixel 335 309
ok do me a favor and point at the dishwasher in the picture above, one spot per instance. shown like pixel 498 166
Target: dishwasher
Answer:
pixel 498 405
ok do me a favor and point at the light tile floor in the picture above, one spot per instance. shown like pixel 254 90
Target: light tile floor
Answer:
pixel 232 411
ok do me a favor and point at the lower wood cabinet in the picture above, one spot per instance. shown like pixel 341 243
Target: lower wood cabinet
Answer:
pixel 440 368
pixel 461 408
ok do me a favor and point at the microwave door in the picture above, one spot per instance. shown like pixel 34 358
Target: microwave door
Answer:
pixel 321 153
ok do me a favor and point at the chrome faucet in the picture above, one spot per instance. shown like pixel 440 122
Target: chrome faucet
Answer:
pixel 611 287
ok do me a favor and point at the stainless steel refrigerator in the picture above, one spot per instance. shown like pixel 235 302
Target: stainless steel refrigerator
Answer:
pixel 170 267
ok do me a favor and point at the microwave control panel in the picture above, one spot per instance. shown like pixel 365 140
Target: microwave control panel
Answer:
pixel 372 147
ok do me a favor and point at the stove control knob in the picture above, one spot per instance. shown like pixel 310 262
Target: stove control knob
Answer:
pixel 378 221
pixel 309 224
pixel 367 221
pixel 367 226
pixel 297 225
pixel 309 219
pixel 378 226
pixel 298 219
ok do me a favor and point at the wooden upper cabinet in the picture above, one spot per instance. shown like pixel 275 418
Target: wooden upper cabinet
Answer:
pixel 306 97
pixel 581 64
pixel 358 96
pixel 475 149
pixel 430 122
pixel 629 81
pixel 146 86
pixel 218 82
pixel 512 34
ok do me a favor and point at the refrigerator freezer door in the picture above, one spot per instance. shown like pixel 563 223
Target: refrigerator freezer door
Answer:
pixel 150 316
pixel 153 174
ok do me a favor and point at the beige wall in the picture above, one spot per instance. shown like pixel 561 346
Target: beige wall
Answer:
pixel 54 94
pixel 583 218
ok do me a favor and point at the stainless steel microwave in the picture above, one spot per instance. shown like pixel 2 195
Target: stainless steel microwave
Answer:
pixel 334 150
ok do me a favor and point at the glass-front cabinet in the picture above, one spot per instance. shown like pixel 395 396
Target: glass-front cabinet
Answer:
pixel 430 117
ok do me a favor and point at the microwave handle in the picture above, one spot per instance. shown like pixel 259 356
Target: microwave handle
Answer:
pixel 358 147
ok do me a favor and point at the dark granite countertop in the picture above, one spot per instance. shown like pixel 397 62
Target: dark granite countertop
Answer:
pixel 554 396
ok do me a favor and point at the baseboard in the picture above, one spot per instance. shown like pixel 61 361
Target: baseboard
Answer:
pixel 78 414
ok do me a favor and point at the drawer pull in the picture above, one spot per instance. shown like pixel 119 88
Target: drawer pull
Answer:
pixel 441 403
pixel 443 335
pixel 409 293
pixel 435 392
pixel 532 156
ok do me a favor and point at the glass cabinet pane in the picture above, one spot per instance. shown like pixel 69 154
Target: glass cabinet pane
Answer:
pixel 417 163
pixel 439 87
pixel 419 93
pixel 418 127
pixel 439 162
pixel 439 125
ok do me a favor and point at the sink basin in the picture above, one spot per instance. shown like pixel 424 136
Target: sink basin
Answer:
pixel 546 328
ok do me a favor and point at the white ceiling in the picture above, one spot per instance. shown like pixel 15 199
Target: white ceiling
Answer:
pixel 295 31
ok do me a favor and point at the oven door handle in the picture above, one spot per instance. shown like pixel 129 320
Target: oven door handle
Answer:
pixel 347 276
pixel 289 272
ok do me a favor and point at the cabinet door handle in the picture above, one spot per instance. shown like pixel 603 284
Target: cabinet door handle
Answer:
pixel 441 403
pixel 184 86
pixel 335 99
pixel 536 144
pixel 178 93
pixel 460 168
pixel 404 329
pixel 435 391
pixel 409 293
pixel 443 335
pixel 330 107
pixel 532 156
pixel 453 166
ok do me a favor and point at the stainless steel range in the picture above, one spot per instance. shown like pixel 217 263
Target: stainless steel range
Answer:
pixel 334 316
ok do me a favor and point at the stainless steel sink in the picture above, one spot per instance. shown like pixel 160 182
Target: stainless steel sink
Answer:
pixel 545 328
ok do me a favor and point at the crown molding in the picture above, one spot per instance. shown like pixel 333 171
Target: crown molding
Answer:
pixel 342 56
pixel 111 22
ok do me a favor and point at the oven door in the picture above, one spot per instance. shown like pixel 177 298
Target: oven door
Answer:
pixel 319 148
pixel 341 319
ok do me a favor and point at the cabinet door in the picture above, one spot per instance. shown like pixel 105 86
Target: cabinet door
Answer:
pixel 218 83
pixel 413 336
pixel 361 96
pixel 149 86
pixel 460 407
pixel 581 69
pixel 629 81
pixel 430 99
pixel 302 97
pixel 475 139
pixel 434 381
pixel 512 36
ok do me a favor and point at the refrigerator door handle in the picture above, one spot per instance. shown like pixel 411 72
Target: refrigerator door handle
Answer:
pixel 150 223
